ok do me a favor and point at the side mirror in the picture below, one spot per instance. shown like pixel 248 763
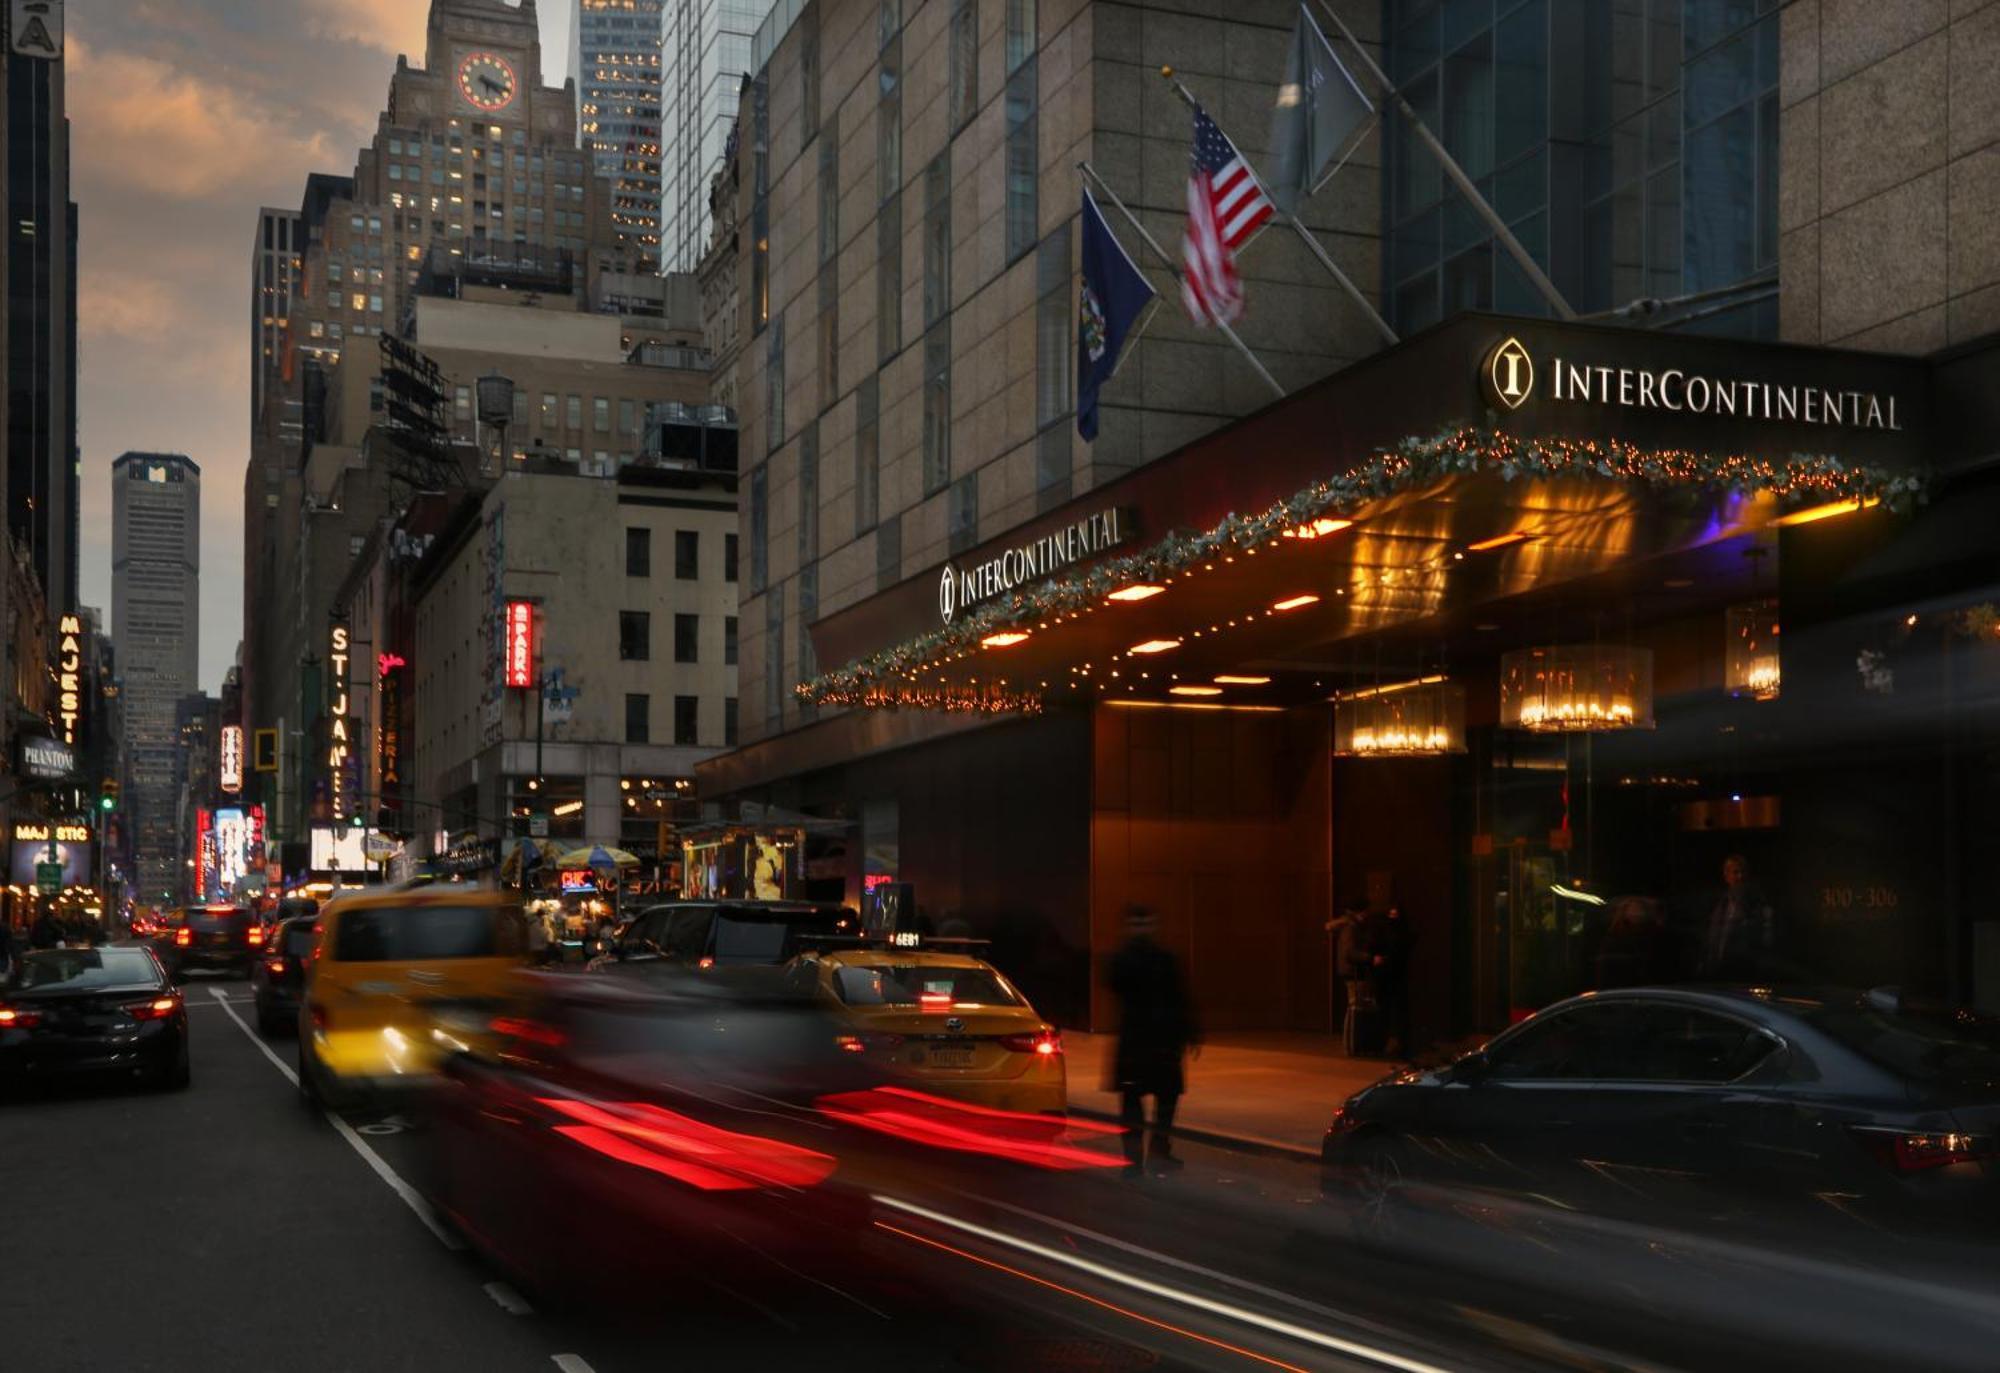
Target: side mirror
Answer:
pixel 1471 1068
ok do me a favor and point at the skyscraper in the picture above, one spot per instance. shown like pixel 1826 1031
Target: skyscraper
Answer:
pixel 708 51
pixel 618 112
pixel 155 585
pixel 38 272
pixel 275 259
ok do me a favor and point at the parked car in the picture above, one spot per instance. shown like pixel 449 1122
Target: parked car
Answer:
pixel 112 1010
pixel 278 974
pixel 700 935
pixel 1838 1112
pixel 214 937
pixel 399 980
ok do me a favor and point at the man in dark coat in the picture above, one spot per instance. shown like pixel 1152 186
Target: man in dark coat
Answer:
pixel 1156 1030
pixel 1740 936
pixel 45 934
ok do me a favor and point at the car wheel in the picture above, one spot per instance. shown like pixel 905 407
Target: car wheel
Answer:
pixel 1370 1182
pixel 178 1075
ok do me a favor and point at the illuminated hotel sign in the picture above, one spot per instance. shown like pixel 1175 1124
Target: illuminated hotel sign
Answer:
pixel 520 644
pixel 964 587
pixel 69 676
pixel 231 770
pixel 336 704
pixel 1510 374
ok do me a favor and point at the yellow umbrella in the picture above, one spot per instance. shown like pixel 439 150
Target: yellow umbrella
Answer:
pixel 598 856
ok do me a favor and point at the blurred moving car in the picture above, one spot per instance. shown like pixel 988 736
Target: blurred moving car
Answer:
pixel 278 974
pixel 109 1010
pixel 214 937
pixel 947 1023
pixel 1843 1111
pixel 398 980
pixel 706 934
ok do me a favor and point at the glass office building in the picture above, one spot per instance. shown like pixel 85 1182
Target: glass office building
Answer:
pixel 618 111
pixel 707 55
pixel 1631 145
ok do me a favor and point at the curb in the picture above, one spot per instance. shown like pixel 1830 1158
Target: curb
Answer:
pixel 1221 1139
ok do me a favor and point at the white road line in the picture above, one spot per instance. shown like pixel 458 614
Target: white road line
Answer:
pixel 508 1300
pixel 374 1160
pixel 572 1363
pixel 1270 1324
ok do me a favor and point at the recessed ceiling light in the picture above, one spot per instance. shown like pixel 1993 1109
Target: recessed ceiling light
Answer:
pixel 1232 679
pixel 1136 593
pixel 1194 691
pixel 1294 602
pixel 1155 646
pixel 1004 639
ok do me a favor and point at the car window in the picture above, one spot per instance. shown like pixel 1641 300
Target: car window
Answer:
pixel 415 933
pixel 299 938
pixel 1566 1046
pixel 750 941
pixel 213 920
pixel 1923 1044
pixel 687 932
pixel 83 969
pixel 907 984
pixel 648 931
pixel 1668 1043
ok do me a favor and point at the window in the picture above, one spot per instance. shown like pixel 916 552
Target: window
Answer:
pixel 628 413
pixel 937 407
pixel 548 410
pixel 1055 330
pixel 573 413
pixel 600 415
pixel 774 385
pixel 1053 460
pixel 808 612
pixel 888 552
pixel 638 722
pixel 829 190
pixel 728 557
pixel 1023 161
pixel 375 303
pixel 520 408
pixel 687 638
pixel 964 522
pixel 809 64
pixel 760 529
pixel 937 238
pixel 889 279
pixel 729 641
pixel 687 554
pixel 687 717
pixel 1021 33
pixel 639 552
pixel 461 402
pixel 774 659
pixel 360 300
pixel 867 454
pixel 729 721
pixel 889 123
pixel 635 636
pixel 828 322
pixel 964 78
pixel 809 493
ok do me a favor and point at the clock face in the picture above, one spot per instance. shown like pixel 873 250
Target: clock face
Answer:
pixel 487 81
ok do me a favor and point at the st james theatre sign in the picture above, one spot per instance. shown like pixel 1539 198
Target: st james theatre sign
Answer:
pixel 1512 376
pixel 963 587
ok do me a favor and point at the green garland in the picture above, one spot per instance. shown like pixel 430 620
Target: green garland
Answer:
pixel 888 677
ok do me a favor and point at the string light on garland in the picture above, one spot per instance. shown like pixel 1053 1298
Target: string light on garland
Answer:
pixel 1799 481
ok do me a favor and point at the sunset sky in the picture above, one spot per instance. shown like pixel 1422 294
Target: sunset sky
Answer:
pixel 186 116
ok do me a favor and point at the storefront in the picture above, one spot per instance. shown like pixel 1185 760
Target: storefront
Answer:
pixel 1523 627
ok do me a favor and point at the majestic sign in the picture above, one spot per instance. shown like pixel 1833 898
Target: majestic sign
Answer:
pixel 40 832
pixel 520 644
pixel 230 771
pixel 1510 374
pixel 961 588
pixel 50 760
pixel 38 28
pixel 69 676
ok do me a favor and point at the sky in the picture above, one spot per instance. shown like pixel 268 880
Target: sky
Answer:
pixel 186 116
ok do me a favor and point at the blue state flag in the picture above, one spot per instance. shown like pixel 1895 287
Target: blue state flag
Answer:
pixel 1115 293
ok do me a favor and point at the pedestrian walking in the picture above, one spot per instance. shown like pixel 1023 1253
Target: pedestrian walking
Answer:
pixel 1354 954
pixel 1157 1030
pixel 1395 940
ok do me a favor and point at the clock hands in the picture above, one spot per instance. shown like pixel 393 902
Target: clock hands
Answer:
pixel 493 87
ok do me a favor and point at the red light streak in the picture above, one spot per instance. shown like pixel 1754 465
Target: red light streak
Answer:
pixel 692 1151
pixel 968 1135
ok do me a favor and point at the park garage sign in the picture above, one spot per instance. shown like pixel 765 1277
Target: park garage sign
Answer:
pixel 961 588
pixel 1511 376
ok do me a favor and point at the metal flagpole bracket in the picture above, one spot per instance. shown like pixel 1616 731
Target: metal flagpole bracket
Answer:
pixel 1522 259
pixel 1174 267
pixel 1318 249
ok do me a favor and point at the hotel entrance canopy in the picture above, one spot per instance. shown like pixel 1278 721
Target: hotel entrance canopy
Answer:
pixel 1480 473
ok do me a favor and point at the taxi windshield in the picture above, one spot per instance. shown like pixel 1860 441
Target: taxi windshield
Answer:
pixel 908 984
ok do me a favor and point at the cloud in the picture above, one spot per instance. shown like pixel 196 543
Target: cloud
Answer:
pixel 393 26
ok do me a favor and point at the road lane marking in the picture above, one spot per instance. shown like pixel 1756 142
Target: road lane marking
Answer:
pixel 1271 1324
pixel 572 1363
pixel 508 1300
pixel 409 1194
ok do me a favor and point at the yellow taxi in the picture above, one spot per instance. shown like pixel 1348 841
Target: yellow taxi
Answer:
pixel 397 980
pixel 943 1023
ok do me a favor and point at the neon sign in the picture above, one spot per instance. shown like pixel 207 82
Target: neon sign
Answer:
pixel 336 708
pixel 231 777
pixel 69 675
pixel 520 645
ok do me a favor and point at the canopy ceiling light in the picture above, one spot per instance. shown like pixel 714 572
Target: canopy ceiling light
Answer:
pixel 1318 529
pixel 1751 667
pixel 1141 591
pixel 1577 688
pixel 1154 646
pixel 1004 639
pixel 1420 719
pixel 1295 602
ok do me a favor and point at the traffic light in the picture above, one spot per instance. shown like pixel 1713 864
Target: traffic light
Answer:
pixel 108 796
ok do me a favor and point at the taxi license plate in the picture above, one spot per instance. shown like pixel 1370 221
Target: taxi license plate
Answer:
pixel 950 1058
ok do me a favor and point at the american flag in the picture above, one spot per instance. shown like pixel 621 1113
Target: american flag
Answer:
pixel 1226 205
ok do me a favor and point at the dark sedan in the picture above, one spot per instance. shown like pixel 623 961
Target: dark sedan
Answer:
pixel 700 935
pixel 214 937
pixel 1827 1113
pixel 106 1011
pixel 278 974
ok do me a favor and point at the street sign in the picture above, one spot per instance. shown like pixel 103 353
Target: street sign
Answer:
pixel 538 826
pixel 49 878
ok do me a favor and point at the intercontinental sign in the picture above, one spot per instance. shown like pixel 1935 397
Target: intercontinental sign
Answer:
pixel 1512 376
pixel 962 587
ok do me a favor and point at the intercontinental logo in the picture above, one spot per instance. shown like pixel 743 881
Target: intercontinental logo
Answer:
pixel 1510 378
pixel 1078 541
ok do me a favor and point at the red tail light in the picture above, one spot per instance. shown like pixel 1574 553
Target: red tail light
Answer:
pixel 705 964
pixel 11 1019
pixel 1044 1042
pixel 183 936
pixel 934 1001
pixel 1914 1151
pixel 256 934
pixel 157 1009
pixel 528 1031
pixel 850 1044
pixel 275 966
pixel 320 1018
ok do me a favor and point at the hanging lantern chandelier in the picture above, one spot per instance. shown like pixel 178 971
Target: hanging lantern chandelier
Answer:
pixel 1407 720
pixel 1751 667
pixel 1577 688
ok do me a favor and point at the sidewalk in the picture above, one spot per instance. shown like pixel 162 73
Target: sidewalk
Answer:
pixel 1275 1089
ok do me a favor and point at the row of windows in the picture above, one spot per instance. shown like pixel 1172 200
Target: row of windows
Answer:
pixel 687 720
pixel 635 638
pixel 687 555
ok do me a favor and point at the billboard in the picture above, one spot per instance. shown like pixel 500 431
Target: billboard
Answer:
pixel 339 848
pixel 31 846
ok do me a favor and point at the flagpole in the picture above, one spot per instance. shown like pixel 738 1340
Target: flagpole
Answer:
pixel 1318 249
pixel 1174 267
pixel 1536 276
